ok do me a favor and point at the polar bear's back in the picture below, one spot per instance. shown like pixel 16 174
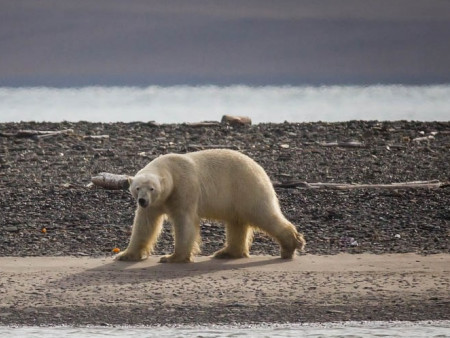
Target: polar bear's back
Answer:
pixel 232 185
pixel 223 167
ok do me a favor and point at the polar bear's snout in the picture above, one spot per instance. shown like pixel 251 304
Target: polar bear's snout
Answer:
pixel 143 202
pixel 145 188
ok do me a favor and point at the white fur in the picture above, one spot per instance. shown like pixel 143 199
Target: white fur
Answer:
pixel 215 184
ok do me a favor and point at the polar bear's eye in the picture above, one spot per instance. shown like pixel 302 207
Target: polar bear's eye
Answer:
pixel 137 189
pixel 151 189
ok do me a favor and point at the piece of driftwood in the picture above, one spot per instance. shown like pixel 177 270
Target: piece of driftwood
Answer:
pixel 423 138
pixel 203 124
pixel 96 137
pixel 344 186
pixel 236 120
pixel 349 144
pixel 25 133
pixel 111 181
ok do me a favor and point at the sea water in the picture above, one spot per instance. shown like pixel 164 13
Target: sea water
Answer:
pixel 348 329
pixel 179 104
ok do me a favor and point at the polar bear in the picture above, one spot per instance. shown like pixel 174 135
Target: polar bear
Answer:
pixel 217 184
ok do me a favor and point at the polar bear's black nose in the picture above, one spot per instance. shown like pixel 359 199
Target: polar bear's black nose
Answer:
pixel 142 202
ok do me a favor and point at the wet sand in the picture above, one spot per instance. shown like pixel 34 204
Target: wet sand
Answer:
pixel 310 288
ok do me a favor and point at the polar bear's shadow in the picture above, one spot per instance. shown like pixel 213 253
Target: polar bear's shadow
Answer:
pixel 118 272
pixel 164 271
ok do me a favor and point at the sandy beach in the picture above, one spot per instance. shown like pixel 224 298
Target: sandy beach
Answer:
pixel 310 288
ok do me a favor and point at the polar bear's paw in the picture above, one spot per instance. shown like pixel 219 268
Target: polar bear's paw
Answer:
pixel 129 256
pixel 225 253
pixel 175 259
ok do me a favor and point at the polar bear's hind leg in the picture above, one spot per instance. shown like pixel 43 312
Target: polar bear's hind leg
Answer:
pixel 238 241
pixel 285 233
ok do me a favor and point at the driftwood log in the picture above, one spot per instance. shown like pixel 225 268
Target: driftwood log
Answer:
pixel 111 181
pixel 236 120
pixel 346 186
pixel 117 182
pixel 203 124
pixel 37 133
pixel 423 138
pixel 349 144
pixel 96 137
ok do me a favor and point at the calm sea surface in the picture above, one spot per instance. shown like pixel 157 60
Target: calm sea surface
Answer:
pixel 366 329
pixel 192 104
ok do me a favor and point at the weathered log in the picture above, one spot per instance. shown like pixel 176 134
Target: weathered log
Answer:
pixel 423 138
pixel 236 120
pixel 26 133
pixel 111 181
pixel 203 124
pixel 349 144
pixel 42 133
pixel 344 186
pixel 291 184
pixel 96 137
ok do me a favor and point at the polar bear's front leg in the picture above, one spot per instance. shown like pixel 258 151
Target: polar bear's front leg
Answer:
pixel 146 228
pixel 187 237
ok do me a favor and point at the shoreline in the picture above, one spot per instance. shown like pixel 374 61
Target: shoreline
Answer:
pixel 261 289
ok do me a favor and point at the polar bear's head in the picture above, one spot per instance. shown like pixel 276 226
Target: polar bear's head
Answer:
pixel 145 188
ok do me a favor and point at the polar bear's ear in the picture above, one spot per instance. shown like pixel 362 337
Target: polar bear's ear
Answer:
pixel 130 180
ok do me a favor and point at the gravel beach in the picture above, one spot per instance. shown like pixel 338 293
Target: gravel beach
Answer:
pixel 49 209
